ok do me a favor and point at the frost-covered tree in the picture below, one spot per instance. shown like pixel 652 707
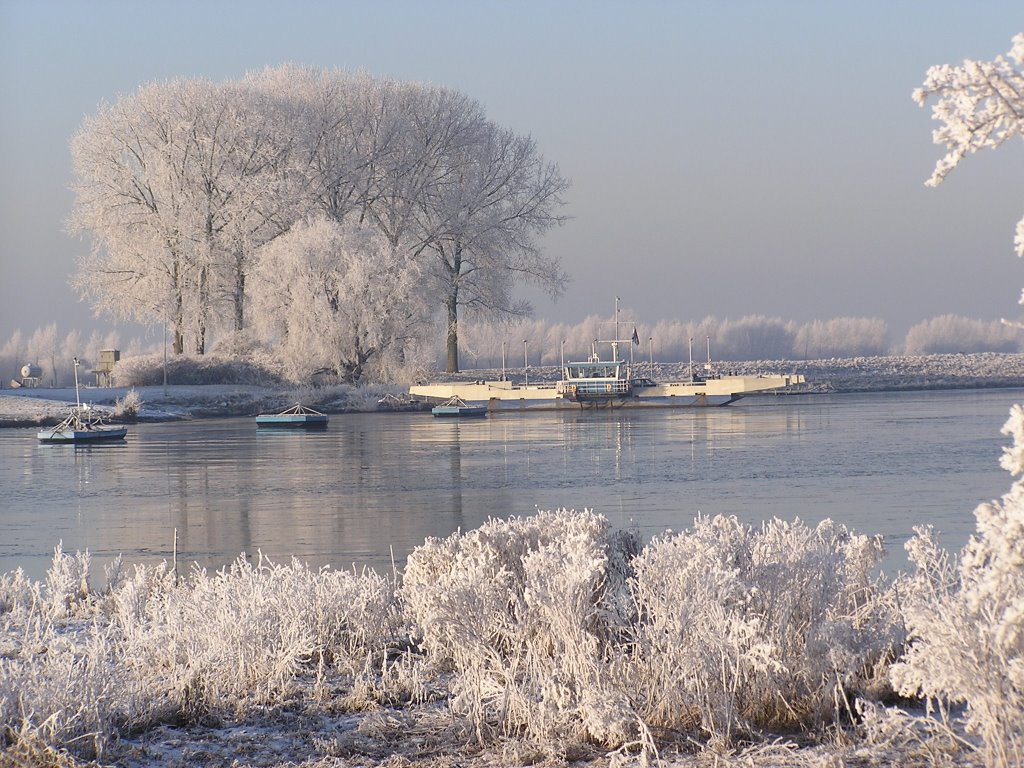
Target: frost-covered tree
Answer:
pixel 180 183
pixel 842 337
pixel 177 185
pixel 949 334
pixel 337 297
pixel 980 105
pixel 485 216
pixel 132 165
pixel 242 184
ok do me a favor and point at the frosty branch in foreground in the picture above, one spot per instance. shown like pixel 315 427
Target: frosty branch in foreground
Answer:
pixel 980 105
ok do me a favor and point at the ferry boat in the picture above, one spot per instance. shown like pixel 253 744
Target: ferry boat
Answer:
pixel 597 383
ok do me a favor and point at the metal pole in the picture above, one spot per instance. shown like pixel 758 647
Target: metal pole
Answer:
pixel 691 358
pixel 503 361
pixel 526 364
pixel 650 346
pixel 78 400
pixel 563 357
pixel 165 355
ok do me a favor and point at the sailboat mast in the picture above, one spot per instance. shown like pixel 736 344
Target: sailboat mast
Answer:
pixel 78 401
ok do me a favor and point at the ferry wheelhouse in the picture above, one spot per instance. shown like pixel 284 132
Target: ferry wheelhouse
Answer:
pixel 596 381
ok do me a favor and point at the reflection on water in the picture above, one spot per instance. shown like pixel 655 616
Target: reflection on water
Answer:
pixel 373 486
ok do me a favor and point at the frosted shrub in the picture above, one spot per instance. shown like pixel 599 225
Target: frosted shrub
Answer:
pixel 524 611
pixel 148 370
pixel 18 592
pixel 239 638
pixel 967 624
pixel 154 647
pixel 128 407
pixel 67 582
pixel 67 696
pixel 742 628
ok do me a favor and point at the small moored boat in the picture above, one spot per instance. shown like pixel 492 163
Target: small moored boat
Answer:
pixel 298 416
pixel 84 425
pixel 456 407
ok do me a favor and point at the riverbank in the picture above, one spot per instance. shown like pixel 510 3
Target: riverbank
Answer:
pixel 45 406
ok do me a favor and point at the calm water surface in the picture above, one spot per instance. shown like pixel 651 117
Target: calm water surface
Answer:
pixel 373 486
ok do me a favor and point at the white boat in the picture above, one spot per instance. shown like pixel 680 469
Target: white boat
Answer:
pixel 597 383
pixel 83 425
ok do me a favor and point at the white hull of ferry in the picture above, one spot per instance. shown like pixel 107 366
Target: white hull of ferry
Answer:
pixel 506 396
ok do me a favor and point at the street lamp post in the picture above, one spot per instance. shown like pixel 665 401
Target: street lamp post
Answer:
pixel 165 355
pixel 526 363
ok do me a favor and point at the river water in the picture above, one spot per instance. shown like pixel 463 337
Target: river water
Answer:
pixel 373 486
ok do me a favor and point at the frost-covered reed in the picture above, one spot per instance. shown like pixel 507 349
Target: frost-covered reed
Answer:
pixel 80 666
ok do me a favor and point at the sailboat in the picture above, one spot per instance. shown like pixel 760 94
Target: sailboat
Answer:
pixel 84 425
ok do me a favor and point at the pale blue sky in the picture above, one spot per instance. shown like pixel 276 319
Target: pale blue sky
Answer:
pixel 727 158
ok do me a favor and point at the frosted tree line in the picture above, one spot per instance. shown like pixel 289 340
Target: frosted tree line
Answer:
pixel 298 198
pixel 323 336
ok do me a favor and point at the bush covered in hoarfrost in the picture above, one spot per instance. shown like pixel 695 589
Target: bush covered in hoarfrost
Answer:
pixel 148 370
pixel 76 666
pixel 966 619
pixel 528 613
pixel 553 629
pixel 744 628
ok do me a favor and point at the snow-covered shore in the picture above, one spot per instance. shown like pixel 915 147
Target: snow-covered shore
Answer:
pixel 29 407
pixel 38 406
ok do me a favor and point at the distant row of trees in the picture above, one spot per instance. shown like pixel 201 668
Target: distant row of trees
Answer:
pixel 753 337
pixel 338 213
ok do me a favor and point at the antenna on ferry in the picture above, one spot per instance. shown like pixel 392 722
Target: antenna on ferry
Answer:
pixel 503 361
pixel 691 358
pixel 615 338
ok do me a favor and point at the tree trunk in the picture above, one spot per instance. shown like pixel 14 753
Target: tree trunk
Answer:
pixel 239 295
pixel 204 308
pixel 178 346
pixel 451 303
